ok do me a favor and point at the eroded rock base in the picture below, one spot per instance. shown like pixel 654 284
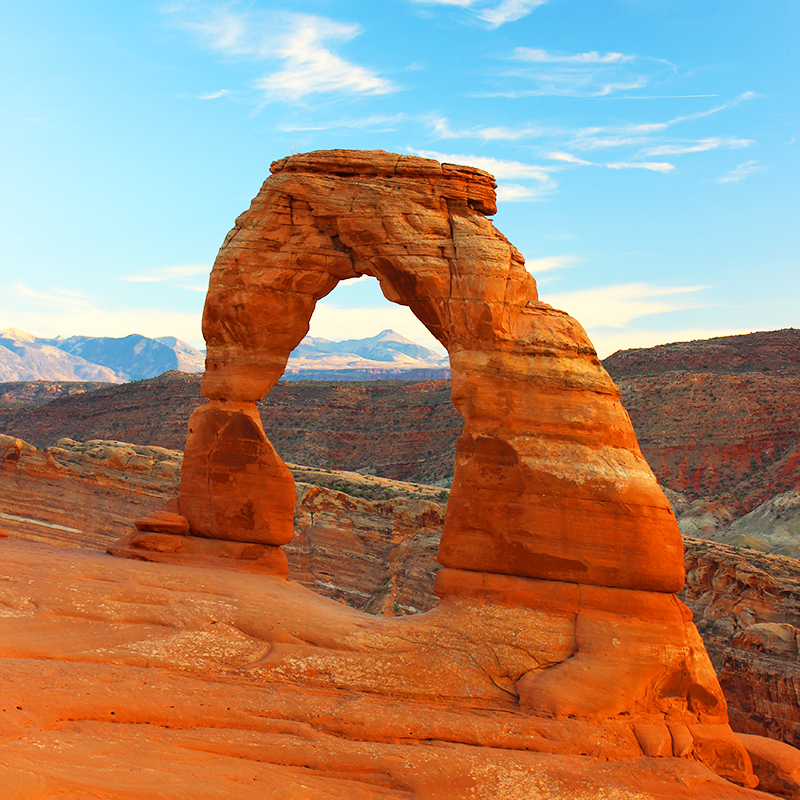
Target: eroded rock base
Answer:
pixel 260 679
pixel 170 548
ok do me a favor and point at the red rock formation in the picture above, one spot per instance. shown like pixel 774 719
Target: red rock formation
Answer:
pixel 82 493
pixel 123 679
pixel 718 417
pixel 747 606
pixel 555 526
pixel 549 482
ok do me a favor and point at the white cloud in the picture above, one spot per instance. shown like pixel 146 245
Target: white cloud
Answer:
pixel 515 192
pixel 536 266
pixel 698 146
pixel 506 11
pixel 169 273
pixel 299 41
pixel 616 306
pixel 593 57
pixel 461 3
pixel 663 167
pixel 509 11
pixel 568 158
pixel 214 95
pixel 741 172
pixel 441 127
pixel 311 68
pixel 377 122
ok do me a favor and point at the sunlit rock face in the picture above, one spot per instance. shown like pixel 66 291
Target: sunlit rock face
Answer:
pixel 560 553
pixel 549 480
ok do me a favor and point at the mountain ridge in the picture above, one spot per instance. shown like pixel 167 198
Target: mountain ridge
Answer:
pixel 388 355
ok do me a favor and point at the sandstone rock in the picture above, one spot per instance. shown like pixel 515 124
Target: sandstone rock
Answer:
pixel 552 502
pixel 82 493
pixel 234 485
pixel 776 765
pixel 377 554
pixel 163 522
pixel 152 680
pixel 549 481
pixel 747 607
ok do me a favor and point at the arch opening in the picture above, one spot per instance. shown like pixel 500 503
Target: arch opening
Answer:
pixel 549 482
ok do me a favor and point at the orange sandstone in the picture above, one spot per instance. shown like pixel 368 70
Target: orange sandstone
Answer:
pixel 561 554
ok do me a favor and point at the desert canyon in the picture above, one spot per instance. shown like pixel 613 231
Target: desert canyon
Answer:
pixel 551 653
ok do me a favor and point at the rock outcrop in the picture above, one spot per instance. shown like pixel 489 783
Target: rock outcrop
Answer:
pixel 82 494
pixel 549 482
pixel 555 526
pixel 125 679
pixel 718 418
pixel 371 543
pixel 747 606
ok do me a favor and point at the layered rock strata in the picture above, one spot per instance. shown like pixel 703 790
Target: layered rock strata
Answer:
pixel 555 527
pixel 82 494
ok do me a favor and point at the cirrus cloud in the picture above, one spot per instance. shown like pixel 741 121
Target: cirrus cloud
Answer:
pixel 299 45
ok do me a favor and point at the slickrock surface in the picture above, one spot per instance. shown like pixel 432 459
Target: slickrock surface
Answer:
pixel 371 543
pixel 123 679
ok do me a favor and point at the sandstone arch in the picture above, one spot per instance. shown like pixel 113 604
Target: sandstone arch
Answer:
pixel 549 480
pixel 560 553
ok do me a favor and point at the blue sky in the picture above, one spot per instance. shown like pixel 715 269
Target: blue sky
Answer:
pixel 646 151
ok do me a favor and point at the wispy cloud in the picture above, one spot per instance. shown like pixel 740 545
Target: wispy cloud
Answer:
pixel 593 57
pixel 568 158
pixel 168 273
pixel 616 306
pixel 509 11
pixel 586 74
pixel 379 122
pixel 214 95
pixel 697 146
pixel 663 167
pixel 536 266
pixel 299 43
pixel 742 171
pixel 442 128
pixel 494 15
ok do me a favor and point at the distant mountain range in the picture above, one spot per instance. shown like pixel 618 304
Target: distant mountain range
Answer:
pixel 387 355
pixel 25 357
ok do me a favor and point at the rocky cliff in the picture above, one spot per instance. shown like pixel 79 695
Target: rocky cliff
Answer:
pixel 718 418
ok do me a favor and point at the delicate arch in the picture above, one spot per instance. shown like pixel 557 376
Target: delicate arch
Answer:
pixel 549 480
